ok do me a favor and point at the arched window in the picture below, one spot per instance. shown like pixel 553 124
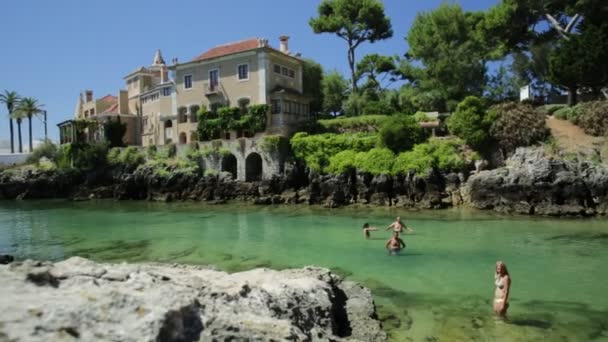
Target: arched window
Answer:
pixel 229 164
pixel 182 138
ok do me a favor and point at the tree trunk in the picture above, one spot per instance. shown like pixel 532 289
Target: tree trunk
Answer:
pixel 572 96
pixel 29 119
pixel 10 119
pixel 351 64
pixel 19 131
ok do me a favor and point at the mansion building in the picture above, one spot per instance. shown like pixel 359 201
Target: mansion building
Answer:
pixel 160 103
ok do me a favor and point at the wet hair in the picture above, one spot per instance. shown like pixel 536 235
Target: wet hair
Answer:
pixel 499 263
pixel 366 225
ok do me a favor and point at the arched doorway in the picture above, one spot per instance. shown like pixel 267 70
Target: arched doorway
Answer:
pixel 182 138
pixel 253 167
pixel 229 164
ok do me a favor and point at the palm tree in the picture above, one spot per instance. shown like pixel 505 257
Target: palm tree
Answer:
pixel 28 107
pixel 11 100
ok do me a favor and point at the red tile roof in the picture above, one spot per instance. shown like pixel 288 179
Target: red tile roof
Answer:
pixel 228 49
pixel 109 98
pixel 112 109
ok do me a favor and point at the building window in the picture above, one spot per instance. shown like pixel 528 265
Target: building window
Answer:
pixel 92 111
pixel 214 78
pixel 284 71
pixel 292 73
pixel 145 123
pixel 187 81
pixel 275 106
pixel 166 91
pixel 277 69
pixel 243 71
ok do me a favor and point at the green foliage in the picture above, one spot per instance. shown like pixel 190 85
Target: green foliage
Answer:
pixel 171 150
pixel 355 21
pixel 422 117
pixel 593 118
pixel 376 161
pixel 312 80
pixel 442 154
pixel 552 108
pixel 47 150
pixel 451 54
pixel 335 90
pixel 400 133
pixel 356 123
pixel 470 123
pixel 502 86
pixel 516 125
pixel 230 118
pixel 371 67
pixel 130 157
pixel 151 151
pixel 275 144
pixel 316 150
pixel 224 152
pixel 342 162
pixel 82 156
pixel 114 132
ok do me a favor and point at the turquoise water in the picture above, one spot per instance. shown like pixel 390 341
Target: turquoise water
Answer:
pixel 439 289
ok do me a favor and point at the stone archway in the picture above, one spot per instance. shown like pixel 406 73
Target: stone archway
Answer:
pixel 182 138
pixel 229 164
pixel 253 167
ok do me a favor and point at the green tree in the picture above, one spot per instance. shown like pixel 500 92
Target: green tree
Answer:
pixel 312 78
pixel 375 69
pixel 400 133
pixel 10 99
pixel 18 116
pixel 114 131
pixel 335 91
pixel 452 56
pixel 29 107
pixel 516 124
pixel 470 123
pixel 502 86
pixel 355 21
pixel 581 61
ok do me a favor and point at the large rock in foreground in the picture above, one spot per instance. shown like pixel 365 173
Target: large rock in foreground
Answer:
pixel 80 299
pixel 532 183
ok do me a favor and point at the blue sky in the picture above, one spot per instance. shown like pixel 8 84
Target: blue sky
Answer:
pixel 52 50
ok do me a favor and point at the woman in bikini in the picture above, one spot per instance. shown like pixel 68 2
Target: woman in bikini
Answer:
pixel 502 281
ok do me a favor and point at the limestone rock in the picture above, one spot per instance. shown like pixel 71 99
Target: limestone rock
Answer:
pixel 81 299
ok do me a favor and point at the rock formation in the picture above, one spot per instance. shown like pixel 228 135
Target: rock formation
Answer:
pixel 78 298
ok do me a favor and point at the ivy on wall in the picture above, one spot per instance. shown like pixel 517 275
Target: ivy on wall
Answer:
pixel 211 124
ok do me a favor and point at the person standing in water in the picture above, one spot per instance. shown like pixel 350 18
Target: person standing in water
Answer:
pixel 398 226
pixel 502 281
pixel 394 244
pixel 367 229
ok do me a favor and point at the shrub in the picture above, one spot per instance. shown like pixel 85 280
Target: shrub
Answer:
pixel 442 154
pixel 171 150
pixel 151 151
pixel 274 144
pixel 400 133
pixel 114 156
pixel 342 162
pixel 470 122
pixel 550 109
pixel 376 161
pixel 516 125
pixel 364 123
pixel 82 156
pixel 593 118
pixel 421 117
pixel 563 113
pixel 315 150
pixel 132 157
pixel 114 131
pixel 47 149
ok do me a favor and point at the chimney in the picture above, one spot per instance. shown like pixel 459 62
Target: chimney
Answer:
pixel 284 46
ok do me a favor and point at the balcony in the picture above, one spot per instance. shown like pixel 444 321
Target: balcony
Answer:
pixel 213 89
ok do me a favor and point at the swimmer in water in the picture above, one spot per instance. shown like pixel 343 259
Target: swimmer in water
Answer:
pixel 394 244
pixel 399 227
pixel 367 229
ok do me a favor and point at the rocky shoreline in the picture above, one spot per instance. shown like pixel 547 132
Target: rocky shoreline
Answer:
pixel 530 184
pixel 78 298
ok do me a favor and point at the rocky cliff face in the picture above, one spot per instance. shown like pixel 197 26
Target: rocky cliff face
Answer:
pixel 80 299
pixel 530 183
